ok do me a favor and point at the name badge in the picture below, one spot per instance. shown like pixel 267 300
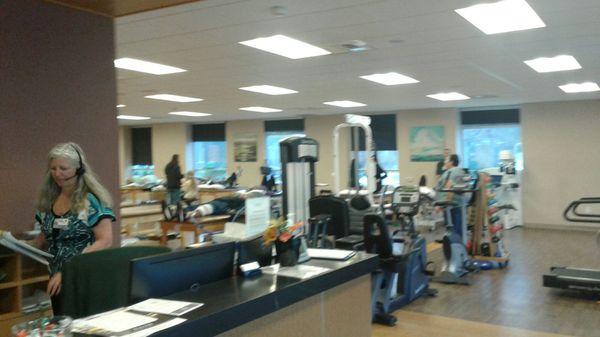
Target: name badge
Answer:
pixel 60 223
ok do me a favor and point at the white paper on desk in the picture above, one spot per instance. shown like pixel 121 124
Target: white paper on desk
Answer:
pixel 167 307
pixel 299 271
pixel 114 321
pixel 330 254
pixel 159 327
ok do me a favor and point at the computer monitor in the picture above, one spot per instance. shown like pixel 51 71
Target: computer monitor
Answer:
pixel 165 274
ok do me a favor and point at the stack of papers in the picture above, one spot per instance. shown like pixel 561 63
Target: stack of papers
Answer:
pixel 298 271
pixel 139 320
pixel 330 254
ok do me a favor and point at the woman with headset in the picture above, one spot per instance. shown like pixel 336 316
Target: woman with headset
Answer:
pixel 73 212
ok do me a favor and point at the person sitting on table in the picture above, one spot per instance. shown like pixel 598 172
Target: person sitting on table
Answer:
pixel 224 205
pixel 189 187
pixel 230 204
pixel 73 212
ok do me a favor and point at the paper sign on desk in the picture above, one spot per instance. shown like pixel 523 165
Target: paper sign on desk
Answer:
pixel 167 307
pixel 258 214
pixel 112 322
pixel 122 323
pixel 298 271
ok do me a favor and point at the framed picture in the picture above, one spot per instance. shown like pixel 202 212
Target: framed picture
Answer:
pixel 244 148
pixel 427 143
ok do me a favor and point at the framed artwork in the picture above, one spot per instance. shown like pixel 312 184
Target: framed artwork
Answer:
pixel 427 143
pixel 244 148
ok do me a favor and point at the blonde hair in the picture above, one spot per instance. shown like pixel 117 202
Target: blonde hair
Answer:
pixel 86 183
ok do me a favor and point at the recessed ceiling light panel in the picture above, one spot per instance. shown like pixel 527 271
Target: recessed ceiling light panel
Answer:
pixel 449 96
pixel 174 98
pixel 345 104
pixel 286 46
pixel 269 90
pixel 502 16
pixel 121 105
pixel 146 67
pixel 189 113
pixel 390 78
pixel 260 109
pixel 550 64
pixel 133 118
pixel 580 87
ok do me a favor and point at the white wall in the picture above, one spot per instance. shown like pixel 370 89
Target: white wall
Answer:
pixel 167 140
pixel 251 170
pixel 561 147
pixel 448 118
pixel 321 129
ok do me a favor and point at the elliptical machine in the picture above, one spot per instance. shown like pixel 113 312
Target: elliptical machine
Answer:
pixel 402 277
pixel 457 263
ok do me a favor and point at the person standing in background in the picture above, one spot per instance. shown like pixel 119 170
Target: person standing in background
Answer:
pixel 173 173
pixel 73 213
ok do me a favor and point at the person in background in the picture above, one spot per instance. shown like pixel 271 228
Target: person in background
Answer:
pixel 73 212
pixel 380 174
pixel 173 173
pixel 189 187
pixel 440 168
pixel 453 175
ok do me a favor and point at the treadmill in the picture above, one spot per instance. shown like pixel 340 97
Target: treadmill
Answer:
pixel 576 278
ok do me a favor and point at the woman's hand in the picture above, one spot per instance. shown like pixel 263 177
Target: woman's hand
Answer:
pixel 54 284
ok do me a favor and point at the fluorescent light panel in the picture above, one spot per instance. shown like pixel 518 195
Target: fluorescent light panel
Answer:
pixel 175 98
pixel 502 16
pixel 133 118
pixel 121 106
pixel 285 46
pixel 260 109
pixel 269 90
pixel 580 87
pixel 345 104
pixel 556 63
pixel 146 67
pixel 449 96
pixel 189 113
pixel 392 78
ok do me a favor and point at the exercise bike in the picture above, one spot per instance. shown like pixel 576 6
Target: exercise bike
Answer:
pixel 457 263
pixel 403 275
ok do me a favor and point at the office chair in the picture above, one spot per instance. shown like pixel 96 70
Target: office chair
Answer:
pixel 99 281
pixel 331 217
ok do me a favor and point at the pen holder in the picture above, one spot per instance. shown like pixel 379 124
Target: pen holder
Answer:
pixel 287 252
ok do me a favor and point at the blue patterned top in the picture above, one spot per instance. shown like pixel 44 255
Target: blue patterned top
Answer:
pixel 69 234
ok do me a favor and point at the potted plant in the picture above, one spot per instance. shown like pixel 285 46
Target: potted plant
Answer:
pixel 285 236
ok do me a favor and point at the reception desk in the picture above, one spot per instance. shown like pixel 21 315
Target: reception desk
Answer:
pixel 333 304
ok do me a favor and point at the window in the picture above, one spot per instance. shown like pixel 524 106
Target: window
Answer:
pixel 482 145
pixel 210 160
pixel 487 132
pixel 273 154
pixel 209 151
pixel 275 131
pixel 388 160
pixel 383 128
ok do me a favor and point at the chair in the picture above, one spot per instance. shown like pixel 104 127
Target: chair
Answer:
pixel 99 281
pixel 337 208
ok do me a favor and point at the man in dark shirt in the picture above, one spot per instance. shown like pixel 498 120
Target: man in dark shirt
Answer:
pixel 173 173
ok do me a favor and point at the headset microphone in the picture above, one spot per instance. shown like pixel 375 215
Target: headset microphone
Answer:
pixel 81 169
